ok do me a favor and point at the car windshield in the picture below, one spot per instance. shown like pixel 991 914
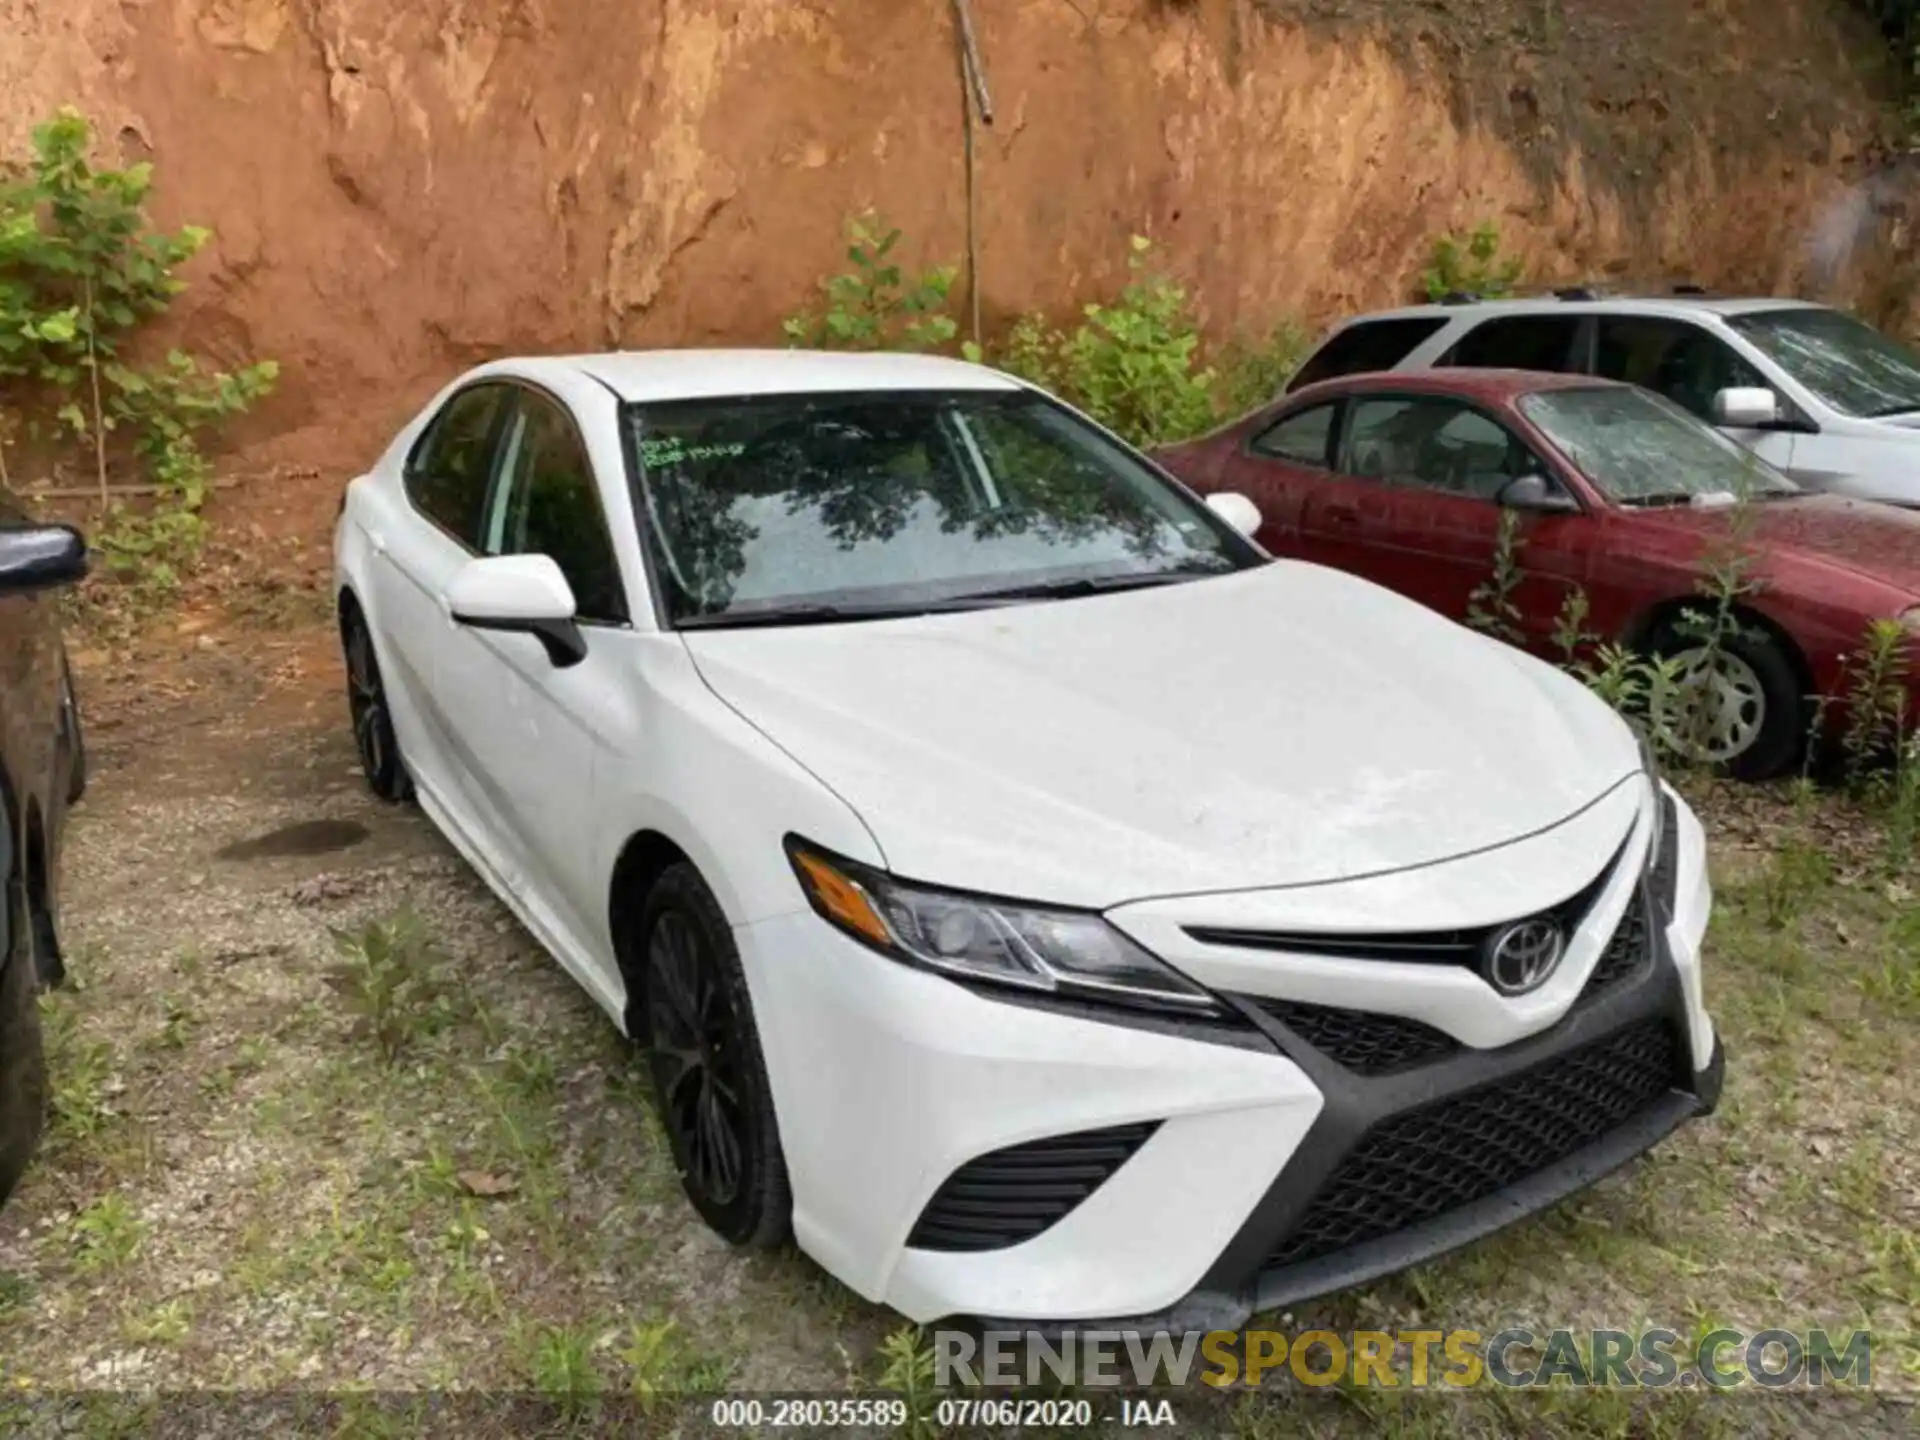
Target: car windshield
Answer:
pixel 1845 361
pixel 852 504
pixel 1644 450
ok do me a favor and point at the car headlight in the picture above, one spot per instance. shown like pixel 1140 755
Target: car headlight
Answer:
pixel 1910 620
pixel 1002 942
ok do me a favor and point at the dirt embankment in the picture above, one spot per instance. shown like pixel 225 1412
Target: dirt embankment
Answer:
pixel 399 190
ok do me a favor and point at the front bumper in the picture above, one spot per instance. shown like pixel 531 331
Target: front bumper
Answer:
pixel 1246 1168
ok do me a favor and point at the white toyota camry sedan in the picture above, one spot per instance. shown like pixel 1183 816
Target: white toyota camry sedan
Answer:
pixel 1027 894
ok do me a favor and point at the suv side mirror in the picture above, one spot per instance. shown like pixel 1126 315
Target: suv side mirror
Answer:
pixel 519 594
pixel 1536 492
pixel 1746 407
pixel 40 557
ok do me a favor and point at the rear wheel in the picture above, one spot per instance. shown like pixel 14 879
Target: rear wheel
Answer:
pixel 372 719
pixel 709 1075
pixel 1738 704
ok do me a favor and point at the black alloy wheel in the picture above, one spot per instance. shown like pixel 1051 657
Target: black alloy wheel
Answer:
pixel 709 1075
pixel 372 720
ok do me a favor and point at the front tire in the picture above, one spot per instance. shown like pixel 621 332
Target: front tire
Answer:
pixel 709 1075
pixel 1742 708
pixel 372 717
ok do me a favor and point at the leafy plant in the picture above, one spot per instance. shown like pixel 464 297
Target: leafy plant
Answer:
pixel 107 1234
pixel 1876 700
pixel 1251 373
pixel 877 305
pixel 1491 608
pixel 1470 266
pixel 81 271
pixel 390 975
pixel 1133 365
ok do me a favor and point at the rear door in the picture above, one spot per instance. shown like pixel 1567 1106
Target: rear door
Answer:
pixel 1557 343
pixel 1414 507
pixel 1367 345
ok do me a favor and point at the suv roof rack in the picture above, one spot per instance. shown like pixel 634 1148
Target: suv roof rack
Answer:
pixel 1459 297
pixel 1578 292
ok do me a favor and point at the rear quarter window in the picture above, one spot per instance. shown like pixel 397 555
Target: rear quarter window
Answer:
pixel 1367 345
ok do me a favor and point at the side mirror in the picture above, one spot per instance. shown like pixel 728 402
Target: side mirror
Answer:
pixel 1237 510
pixel 1535 492
pixel 40 557
pixel 1746 407
pixel 520 594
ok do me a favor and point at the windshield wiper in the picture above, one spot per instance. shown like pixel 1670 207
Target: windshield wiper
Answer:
pixel 824 614
pixel 1660 497
pixel 1091 585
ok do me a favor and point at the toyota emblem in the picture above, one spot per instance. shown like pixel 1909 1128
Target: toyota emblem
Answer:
pixel 1524 956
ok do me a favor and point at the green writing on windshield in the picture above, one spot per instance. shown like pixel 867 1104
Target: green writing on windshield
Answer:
pixel 672 451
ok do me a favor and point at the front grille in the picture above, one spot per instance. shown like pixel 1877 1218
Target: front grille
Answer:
pixel 1007 1196
pixel 1365 1042
pixel 1427 947
pixel 1425 1162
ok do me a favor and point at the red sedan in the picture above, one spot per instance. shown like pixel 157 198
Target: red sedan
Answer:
pixel 1403 478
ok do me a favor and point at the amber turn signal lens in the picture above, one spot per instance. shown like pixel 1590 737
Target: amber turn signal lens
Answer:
pixel 840 899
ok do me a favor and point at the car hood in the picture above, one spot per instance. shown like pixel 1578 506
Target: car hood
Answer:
pixel 1863 536
pixel 1287 725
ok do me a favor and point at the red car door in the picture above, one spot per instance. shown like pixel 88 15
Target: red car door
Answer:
pixel 1413 506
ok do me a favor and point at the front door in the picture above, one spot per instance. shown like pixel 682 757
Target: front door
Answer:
pixel 1430 469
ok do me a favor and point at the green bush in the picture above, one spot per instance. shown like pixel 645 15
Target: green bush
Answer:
pixel 1470 266
pixel 876 305
pixel 81 271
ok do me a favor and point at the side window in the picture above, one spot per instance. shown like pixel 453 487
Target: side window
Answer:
pixel 1304 438
pixel 550 505
pixel 1367 345
pixel 448 472
pixel 1674 358
pixel 1518 342
pixel 1433 444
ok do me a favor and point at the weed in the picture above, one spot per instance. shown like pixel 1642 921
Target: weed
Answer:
pixel 165 1324
pixel 560 1364
pixel 1473 266
pixel 15 1291
pixel 660 1366
pixel 908 1370
pixel 876 305
pixel 1876 700
pixel 81 1069
pixel 389 974
pixel 1796 872
pixel 81 271
pixel 107 1234
pixel 1491 608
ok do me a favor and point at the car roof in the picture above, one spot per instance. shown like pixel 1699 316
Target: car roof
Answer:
pixel 642 376
pixel 1466 381
pixel 1550 304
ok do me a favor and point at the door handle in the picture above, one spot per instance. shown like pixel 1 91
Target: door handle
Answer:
pixel 1343 518
pixel 378 540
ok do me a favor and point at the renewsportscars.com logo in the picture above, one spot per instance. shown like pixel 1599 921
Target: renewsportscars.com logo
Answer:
pixel 1414 1359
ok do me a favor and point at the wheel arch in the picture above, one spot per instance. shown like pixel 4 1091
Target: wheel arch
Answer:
pixel 1656 618
pixel 643 859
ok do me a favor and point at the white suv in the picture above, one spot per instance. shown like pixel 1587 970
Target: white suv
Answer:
pixel 1822 395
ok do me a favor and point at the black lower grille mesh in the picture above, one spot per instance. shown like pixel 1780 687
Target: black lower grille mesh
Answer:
pixel 1426 1162
pixel 1011 1195
pixel 1365 1042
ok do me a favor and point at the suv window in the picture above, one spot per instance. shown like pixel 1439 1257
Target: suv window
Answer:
pixel 1367 345
pixel 1302 438
pixel 1675 358
pixel 1519 342
pixel 448 473
pixel 550 505
pixel 1433 443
